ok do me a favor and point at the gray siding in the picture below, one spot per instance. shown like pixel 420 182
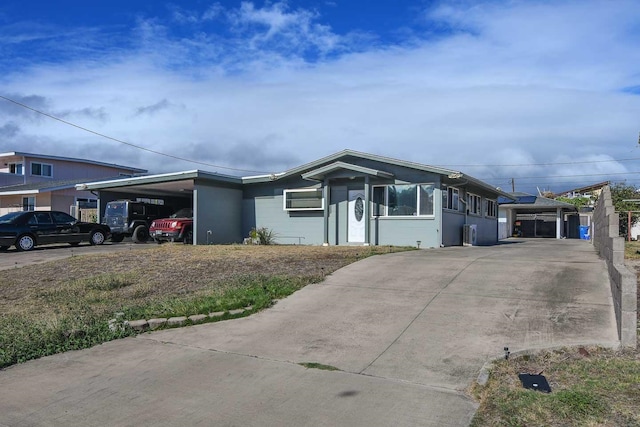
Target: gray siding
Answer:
pixel 405 232
pixel 487 229
pixel 219 210
pixel 452 223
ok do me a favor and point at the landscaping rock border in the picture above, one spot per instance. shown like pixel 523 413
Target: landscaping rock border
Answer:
pixel 142 325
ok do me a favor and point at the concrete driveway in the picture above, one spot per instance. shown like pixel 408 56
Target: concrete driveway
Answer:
pixel 409 332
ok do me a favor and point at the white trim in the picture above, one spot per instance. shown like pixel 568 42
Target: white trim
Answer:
pixel 17 193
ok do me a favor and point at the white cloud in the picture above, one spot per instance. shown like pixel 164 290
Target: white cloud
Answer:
pixel 508 83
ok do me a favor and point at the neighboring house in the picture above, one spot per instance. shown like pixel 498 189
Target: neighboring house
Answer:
pixel 526 215
pixel 348 198
pixel 590 192
pixel 42 182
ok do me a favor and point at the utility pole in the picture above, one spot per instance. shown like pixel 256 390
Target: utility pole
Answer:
pixel 513 185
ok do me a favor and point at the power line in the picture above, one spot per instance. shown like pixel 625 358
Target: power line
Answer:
pixel 128 143
pixel 543 164
pixel 562 176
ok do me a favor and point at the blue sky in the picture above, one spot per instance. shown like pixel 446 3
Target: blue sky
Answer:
pixel 545 92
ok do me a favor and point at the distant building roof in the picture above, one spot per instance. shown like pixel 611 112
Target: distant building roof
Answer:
pixel 71 159
pixel 526 201
pixel 42 187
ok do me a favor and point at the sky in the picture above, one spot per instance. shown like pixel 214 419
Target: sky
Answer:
pixel 536 94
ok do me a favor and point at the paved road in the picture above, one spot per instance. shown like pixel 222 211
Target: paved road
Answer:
pixel 409 332
pixel 12 258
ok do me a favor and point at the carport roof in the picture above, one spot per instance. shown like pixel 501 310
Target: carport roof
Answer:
pixel 168 183
pixel 526 201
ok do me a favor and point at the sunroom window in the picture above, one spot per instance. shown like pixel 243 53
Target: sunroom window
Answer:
pixel 303 200
pixel 403 200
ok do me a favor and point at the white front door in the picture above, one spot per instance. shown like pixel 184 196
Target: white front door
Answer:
pixel 356 216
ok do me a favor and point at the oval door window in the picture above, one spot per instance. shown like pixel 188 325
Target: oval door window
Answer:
pixel 359 209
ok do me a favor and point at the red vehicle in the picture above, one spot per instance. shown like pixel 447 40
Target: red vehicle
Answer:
pixel 177 228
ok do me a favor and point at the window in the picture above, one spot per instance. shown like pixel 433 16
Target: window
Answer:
pixel 16 168
pixel 303 200
pixel 28 203
pixel 43 218
pixel 41 169
pixel 491 209
pixel 451 198
pixel 474 204
pixel 403 200
pixel 62 218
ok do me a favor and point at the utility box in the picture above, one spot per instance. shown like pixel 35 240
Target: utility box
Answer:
pixel 470 234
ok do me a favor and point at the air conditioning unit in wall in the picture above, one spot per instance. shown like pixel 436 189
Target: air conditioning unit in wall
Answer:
pixel 470 234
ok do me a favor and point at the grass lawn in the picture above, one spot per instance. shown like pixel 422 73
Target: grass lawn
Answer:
pixel 592 387
pixel 63 305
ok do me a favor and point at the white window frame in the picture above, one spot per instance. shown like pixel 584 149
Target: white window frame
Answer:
pixel 30 205
pixel 303 190
pixel 385 206
pixel 487 212
pixel 15 166
pixel 474 204
pixel 450 192
pixel 42 165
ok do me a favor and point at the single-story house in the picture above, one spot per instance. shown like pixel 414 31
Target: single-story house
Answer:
pixel 348 198
pixel 528 215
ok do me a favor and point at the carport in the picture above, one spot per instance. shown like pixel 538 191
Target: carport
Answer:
pixel 536 216
pixel 216 200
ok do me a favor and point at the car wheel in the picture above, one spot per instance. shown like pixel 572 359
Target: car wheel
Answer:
pixel 188 237
pixel 117 238
pixel 25 243
pixel 97 237
pixel 140 234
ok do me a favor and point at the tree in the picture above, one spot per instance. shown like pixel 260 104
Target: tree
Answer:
pixel 619 193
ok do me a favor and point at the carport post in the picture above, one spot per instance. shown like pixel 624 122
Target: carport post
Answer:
pixel 558 222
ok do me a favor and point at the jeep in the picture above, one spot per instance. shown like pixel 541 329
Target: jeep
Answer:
pixel 128 218
pixel 177 228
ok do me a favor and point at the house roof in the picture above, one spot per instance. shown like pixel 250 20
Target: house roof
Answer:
pixel 183 181
pixel 526 201
pixel 70 159
pixel 320 173
pixel 451 177
pixel 40 187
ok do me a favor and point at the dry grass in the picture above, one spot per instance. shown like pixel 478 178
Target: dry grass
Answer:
pixel 596 387
pixel 111 281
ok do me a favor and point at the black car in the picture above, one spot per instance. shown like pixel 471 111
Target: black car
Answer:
pixel 28 229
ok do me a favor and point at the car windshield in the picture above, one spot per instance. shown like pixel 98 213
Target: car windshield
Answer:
pixel 114 209
pixel 10 217
pixel 183 213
